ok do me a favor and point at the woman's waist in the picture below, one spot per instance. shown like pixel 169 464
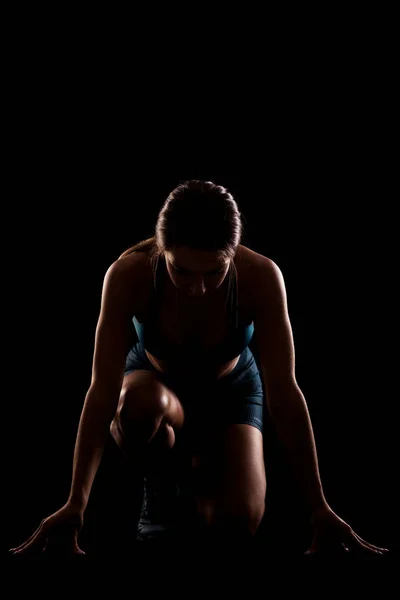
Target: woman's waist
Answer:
pixel 188 366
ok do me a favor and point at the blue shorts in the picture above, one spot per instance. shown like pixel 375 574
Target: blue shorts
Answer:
pixel 236 398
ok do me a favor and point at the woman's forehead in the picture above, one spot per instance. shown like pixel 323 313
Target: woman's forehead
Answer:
pixel 189 257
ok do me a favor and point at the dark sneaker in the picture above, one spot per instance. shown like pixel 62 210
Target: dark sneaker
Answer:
pixel 168 506
pixel 158 514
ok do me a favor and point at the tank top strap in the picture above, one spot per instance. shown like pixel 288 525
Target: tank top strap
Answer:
pixel 156 289
pixel 233 303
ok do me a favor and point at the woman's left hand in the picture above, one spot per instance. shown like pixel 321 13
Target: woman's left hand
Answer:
pixel 332 534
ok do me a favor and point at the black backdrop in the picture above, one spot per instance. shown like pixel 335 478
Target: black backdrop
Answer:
pixel 337 255
pixel 88 166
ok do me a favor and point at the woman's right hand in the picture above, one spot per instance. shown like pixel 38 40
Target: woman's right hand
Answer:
pixel 57 534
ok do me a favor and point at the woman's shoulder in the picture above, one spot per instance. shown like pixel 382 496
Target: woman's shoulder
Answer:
pixel 130 274
pixel 253 269
pixel 253 261
pixel 137 272
pixel 133 265
pixel 249 263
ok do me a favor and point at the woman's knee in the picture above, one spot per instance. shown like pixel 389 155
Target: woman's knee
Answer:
pixel 143 418
pixel 141 405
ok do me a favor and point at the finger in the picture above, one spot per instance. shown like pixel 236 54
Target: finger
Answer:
pixel 77 550
pixel 313 548
pixel 327 546
pixel 370 545
pixel 62 544
pixel 26 541
pixel 358 543
pixel 63 550
pixel 32 543
pixel 56 547
pixel 21 546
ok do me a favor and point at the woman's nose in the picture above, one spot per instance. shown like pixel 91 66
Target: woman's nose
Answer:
pixel 198 288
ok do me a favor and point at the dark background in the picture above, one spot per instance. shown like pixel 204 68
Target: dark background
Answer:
pixel 91 160
pixel 340 284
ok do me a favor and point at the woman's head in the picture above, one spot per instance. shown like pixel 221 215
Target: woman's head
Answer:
pixel 198 231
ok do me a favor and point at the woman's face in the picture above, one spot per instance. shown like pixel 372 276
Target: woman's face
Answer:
pixel 196 273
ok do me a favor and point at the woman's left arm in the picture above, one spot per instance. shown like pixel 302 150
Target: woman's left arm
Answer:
pixel 289 412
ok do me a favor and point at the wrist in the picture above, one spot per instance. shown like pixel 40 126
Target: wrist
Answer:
pixel 77 504
pixel 320 511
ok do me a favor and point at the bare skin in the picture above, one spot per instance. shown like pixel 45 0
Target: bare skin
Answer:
pixel 199 299
pixel 201 291
pixel 143 414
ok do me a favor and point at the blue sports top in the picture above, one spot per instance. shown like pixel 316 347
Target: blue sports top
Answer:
pixel 153 341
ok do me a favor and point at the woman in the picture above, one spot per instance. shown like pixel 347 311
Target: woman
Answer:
pixel 196 296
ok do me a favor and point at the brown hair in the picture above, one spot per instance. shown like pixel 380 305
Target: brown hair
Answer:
pixel 200 215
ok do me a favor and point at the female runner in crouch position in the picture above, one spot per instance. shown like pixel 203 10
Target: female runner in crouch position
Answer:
pixel 197 295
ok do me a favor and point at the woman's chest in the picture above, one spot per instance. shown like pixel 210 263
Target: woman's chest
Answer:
pixel 200 324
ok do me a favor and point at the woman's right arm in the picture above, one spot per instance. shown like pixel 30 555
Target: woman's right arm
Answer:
pixel 113 334
pixel 111 347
